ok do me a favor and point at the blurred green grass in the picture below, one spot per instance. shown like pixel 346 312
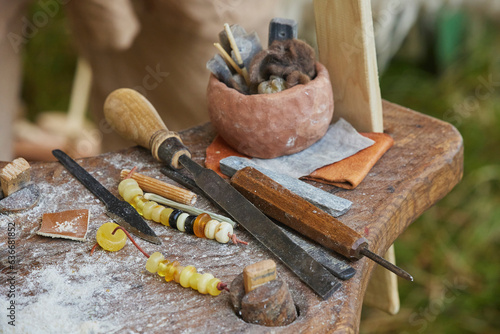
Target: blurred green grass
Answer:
pixel 452 249
pixel 49 64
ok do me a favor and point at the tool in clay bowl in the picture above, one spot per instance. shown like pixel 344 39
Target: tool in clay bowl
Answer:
pixel 134 118
pixel 120 211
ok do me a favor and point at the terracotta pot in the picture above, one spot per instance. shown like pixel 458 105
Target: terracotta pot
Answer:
pixel 272 125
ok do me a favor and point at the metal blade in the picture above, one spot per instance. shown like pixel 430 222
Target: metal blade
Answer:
pixel 120 211
pixel 125 215
pixel 317 277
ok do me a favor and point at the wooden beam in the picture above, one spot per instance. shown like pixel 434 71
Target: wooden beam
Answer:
pixel 346 45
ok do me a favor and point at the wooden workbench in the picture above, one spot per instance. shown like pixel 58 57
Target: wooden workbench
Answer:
pixel 60 287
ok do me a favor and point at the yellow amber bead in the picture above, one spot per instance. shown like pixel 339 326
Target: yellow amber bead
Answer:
pixel 212 287
pixel 193 281
pixel 165 215
pixel 148 209
pixel 138 203
pixel 185 276
pixel 177 273
pixel 131 192
pixel 155 214
pixel 153 262
pixel 203 283
pixel 163 268
pixel 170 272
pixel 108 241
pixel 125 184
pixel 200 223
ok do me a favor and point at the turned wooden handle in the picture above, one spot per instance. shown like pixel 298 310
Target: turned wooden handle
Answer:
pixel 292 210
pixel 134 118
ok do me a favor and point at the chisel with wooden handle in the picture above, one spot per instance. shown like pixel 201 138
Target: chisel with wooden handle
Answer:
pixel 134 118
pixel 292 210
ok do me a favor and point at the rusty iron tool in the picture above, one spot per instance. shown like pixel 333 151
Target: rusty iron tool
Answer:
pixel 120 211
pixel 295 212
pixel 338 267
pixel 134 118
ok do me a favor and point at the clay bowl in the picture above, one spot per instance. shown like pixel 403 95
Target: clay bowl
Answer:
pixel 271 125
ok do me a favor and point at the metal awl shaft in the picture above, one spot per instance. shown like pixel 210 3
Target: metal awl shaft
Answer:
pixel 386 264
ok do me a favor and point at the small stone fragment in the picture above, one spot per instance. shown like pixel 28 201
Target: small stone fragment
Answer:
pixel 23 199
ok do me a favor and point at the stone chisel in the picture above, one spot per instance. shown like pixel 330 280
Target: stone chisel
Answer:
pixel 120 211
pixel 134 118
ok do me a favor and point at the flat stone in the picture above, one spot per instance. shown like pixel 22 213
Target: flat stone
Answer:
pixel 21 200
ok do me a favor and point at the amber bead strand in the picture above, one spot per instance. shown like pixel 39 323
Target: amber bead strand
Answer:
pixel 201 225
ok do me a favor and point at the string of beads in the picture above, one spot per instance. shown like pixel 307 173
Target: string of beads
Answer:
pixel 112 237
pixel 203 226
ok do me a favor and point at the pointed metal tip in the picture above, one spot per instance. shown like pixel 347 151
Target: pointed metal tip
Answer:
pixel 386 264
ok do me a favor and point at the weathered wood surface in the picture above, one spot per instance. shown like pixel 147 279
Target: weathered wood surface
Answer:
pixel 113 291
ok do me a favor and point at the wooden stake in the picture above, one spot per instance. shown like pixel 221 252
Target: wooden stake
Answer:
pixel 15 176
pixel 346 45
pixel 161 188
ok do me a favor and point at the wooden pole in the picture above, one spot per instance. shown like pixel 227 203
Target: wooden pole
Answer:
pixel 346 45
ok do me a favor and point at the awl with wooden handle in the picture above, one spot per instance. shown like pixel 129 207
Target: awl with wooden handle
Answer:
pixel 134 118
pixel 292 210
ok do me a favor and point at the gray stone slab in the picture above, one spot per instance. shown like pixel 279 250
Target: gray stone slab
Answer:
pixel 219 68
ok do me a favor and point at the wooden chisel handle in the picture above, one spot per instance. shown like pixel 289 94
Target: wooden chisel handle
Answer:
pixel 134 118
pixel 292 210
